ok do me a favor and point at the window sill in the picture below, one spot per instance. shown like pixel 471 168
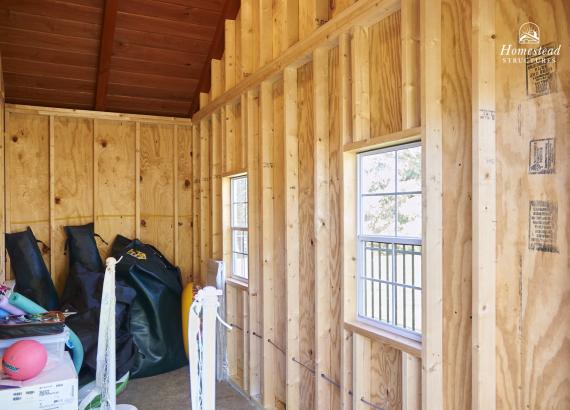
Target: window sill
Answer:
pixel 237 283
pixel 399 342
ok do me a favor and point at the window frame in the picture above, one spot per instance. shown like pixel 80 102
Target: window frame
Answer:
pixel 361 239
pixel 233 228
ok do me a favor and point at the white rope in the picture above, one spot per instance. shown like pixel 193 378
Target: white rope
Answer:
pixel 202 348
pixel 105 379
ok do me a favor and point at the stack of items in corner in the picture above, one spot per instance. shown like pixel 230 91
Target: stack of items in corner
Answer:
pixel 148 294
pixel 26 384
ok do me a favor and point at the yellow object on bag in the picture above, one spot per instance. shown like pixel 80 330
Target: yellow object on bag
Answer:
pixel 187 298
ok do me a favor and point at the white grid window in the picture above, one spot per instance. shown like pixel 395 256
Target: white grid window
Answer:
pixel 238 198
pixel 389 238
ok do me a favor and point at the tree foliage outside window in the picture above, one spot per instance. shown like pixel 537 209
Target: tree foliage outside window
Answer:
pixel 390 223
pixel 239 222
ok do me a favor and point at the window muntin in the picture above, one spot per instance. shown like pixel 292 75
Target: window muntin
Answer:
pixel 389 238
pixel 238 226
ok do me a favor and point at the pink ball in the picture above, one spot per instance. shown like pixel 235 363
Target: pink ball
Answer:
pixel 24 359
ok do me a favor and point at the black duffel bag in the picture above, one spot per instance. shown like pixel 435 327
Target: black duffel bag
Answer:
pixel 83 291
pixel 83 248
pixel 33 279
pixel 156 317
pixel 86 288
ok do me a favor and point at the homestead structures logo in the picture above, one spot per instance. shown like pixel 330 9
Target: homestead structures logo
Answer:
pixel 529 35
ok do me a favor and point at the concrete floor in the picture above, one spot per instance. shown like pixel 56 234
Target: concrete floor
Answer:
pixel 170 391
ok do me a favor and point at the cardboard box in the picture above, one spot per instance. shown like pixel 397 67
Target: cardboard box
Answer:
pixel 53 389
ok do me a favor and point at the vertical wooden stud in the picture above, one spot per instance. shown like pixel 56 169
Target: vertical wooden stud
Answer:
pixel 216 186
pixel 411 365
pixel 196 186
pixel 322 228
pixel 247 38
pixel 291 161
pixel 432 188
pixel 138 180
pixel 246 339
pixel 360 84
pixel 204 99
pixel 265 31
pixel 410 27
pixel 286 21
pixel 345 92
pixel 312 14
pixel 361 382
pixel 230 138
pixel 51 193
pixel 254 243
pixel 348 212
pixel 205 216
pixel 267 238
pixel 484 206
pixel 230 54
pixel 217 85
pixel 175 194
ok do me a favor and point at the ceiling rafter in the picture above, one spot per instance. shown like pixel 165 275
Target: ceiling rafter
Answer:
pixel 105 52
pixel 230 11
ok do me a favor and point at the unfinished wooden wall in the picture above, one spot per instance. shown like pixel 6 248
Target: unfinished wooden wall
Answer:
pixel 295 129
pixel 130 175
pixel 533 228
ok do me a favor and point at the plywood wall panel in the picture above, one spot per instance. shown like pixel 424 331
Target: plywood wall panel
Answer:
pixel 73 185
pixel 385 376
pixel 533 285
pixel 385 76
pixel 184 187
pixel 157 187
pixel 27 176
pixel 114 180
pixel 457 204
pixel 67 167
pixel 306 233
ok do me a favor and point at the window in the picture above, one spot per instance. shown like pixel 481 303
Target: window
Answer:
pixel 389 238
pixel 238 217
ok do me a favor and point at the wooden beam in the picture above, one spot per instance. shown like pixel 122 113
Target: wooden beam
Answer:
pixel 74 113
pixel 361 381
pixel 267 245
pixel 216 186
pixel 323 314
pixel 381 141
pixel 291 164
pixel 205 245
pixel 105 52
pixel 484 207
pixel 247 39
pixel 254 243
pixel 217 85
pixel 432 189
pixel 410 38
pixel 196 186
pixel 230 10
pixel 348 221
pixel 175 190
pixel 362 13
pixel 266 32
pixel 360 84
pixel 230 55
